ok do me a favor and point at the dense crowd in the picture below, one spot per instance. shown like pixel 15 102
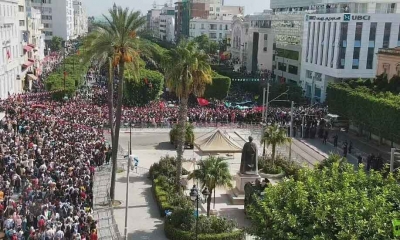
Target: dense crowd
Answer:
pixel 48 154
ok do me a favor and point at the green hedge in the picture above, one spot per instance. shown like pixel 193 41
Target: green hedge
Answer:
pixel 377 113
pixel 161 198
pixel 176 234
pixel 140 93
pixel 219 88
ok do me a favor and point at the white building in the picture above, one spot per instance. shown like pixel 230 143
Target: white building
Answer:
pixel 167 24
pixel 10 48
pixel 80 19
pixel 217 30
pixel 153 21
pixel 57 18
pixel 341 39
pixel 239 41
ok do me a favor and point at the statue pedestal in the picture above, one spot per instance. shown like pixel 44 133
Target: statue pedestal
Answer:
pixel 237 194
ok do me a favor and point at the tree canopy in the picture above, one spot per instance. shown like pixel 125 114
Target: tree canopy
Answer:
pixel 334 202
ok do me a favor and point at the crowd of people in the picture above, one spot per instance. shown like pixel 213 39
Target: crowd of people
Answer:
pixel 48 152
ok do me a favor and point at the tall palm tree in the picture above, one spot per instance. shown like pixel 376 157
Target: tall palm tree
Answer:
pixel 116 38
pixel 274 135
pixel 187 71
pixel 212 172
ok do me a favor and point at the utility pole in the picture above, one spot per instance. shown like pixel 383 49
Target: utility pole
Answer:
pixel 267 104
pixel 263 102
pixel 127 192
pixel 291 130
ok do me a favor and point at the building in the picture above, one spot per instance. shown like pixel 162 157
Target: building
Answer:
pixel 186 10
pixel 167 24
pixel 57 18
pixel 11 48
pixel 80 19
pixel 388 62
pixel 153 21
pixel 239 42
pixel 341 39
pixel 216 29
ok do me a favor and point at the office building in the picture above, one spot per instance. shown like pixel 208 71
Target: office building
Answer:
pixel 341 39
pixel 57 18
pixel 153 21
pixel 216 29
pixel 10 48
pixel 80 19
pixel 388 62
pixel 167 24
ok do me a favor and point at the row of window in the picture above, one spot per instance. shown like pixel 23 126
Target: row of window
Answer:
pixel 211 35
pixel 41 1
pixel 291 69
pixel 344 8
pixel 213 26
pixel 6 10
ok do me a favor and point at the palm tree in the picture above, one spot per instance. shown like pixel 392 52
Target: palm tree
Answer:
pixel 187 71
pixel 212 172
pixel 115 40
pixel 274 135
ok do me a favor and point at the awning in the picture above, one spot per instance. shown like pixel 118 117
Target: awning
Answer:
pixel 28 63
pixel 32 77
pixel 28 48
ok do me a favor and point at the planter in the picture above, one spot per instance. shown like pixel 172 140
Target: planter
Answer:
pixel 272 176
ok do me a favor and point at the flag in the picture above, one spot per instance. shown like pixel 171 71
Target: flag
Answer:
pixel 202 102
pixel 162 105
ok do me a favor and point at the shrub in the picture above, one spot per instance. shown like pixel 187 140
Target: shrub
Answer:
pixel 165 167
pixel 291 168
pixel 215 225
pixel 219 88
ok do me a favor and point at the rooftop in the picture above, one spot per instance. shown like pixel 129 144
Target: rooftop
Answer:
pixel 390 51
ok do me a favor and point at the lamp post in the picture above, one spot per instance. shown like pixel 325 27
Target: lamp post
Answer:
pixel 195 197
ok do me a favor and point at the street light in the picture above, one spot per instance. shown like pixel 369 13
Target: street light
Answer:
pixel 194 196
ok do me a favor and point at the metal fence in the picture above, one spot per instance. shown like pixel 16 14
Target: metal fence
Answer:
pixel 167 125
pixel 103 213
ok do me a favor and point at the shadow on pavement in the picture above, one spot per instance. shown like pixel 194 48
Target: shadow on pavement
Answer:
pixel 155 234
pixel 133 177
pixel 164 146
pixel 235 214
pixel 153 208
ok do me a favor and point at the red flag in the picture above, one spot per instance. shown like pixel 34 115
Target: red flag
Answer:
pixel 202 102
pixel 162 105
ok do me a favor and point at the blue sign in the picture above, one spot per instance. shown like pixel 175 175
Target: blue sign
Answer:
pixel 347 17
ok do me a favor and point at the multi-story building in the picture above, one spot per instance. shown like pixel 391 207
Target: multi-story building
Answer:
pixel 216 29
pixel 167 24
pixel 341 39
pixel 239 42
pixel 153 21
pixel 80 19
pixel 57 18
pixel 10 48
pixel 388 62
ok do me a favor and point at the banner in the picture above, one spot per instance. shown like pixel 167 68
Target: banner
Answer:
pixel 202 102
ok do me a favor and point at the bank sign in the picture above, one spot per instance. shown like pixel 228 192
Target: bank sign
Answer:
pixel 321 18
pixel 348 17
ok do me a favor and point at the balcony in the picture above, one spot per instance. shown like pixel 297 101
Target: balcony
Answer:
pixel 40 26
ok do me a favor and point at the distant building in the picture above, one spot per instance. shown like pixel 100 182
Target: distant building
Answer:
pixel 215 29
pixel 167 24
pixel 388 62
pixel 239 42
pixel 80 19
pixel 153 21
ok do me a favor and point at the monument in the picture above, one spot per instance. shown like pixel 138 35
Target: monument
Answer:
pixel 248 171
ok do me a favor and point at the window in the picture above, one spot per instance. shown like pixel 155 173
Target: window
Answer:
pixel 21 23
pixel 213 26
pixel 220 35
pixel 282 66
pixel 285 53
pixel 220 27
pixel 21 8
pixel 398 38
pixel 385 8
pixel 265 42
pixel 370 58
pixel 357 37
pixel 356 58
pixel 217 9
pixel 226 27
pixel 47 25
pixel 342 45
pixel 386 35
pixel 386 68
pixel 293 69
pixel 372 34
pixel 211 9
pixel 213 35
pixel 202 26
pixel 308 74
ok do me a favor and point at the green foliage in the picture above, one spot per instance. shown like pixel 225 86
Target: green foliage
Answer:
pixel 177 234
pixel 219 87
pixel 166 167
pixel 205 44
pixel 215 225
pixel 137 92
pixel 334 202
pixel 189 135
pixel 75 71
pixel 274 135
pixel 376 112
pixel 291 168
pixel 55 43
pixel 331 160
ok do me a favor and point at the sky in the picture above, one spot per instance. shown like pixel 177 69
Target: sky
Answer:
pixel 98 7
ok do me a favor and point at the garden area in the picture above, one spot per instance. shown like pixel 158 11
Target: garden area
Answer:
pixel 180 212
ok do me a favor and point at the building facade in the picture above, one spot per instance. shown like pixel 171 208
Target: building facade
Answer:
pixel 80 19
pixel 167 24
pixel 388 62
pixel 57 18
pixel 10 48
pixel 239 42
pixel 153 21
pixel 217 30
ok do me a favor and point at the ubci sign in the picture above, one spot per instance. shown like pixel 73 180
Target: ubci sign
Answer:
pixel 348 17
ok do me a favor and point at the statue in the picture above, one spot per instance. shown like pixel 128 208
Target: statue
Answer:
pixel 248 163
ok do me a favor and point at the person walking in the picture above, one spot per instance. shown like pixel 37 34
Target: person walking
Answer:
pixel 345 149
pixel 335 140
pixel 325 137
pixel 350 146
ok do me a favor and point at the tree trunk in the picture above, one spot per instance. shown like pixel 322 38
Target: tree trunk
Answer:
pixel 273 153
pixel 111 99
pixel 117 128
pixel 209 197
pixel 181 140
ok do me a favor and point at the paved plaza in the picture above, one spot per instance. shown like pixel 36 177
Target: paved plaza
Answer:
pixel 144 221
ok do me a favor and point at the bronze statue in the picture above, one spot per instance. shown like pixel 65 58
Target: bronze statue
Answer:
pixel 248 163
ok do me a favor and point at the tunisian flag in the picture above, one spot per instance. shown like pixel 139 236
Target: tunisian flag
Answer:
pixel 202 102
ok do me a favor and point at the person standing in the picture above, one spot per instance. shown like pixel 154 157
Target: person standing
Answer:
pixel 335 140
pixel 325 137
pixel 345 149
